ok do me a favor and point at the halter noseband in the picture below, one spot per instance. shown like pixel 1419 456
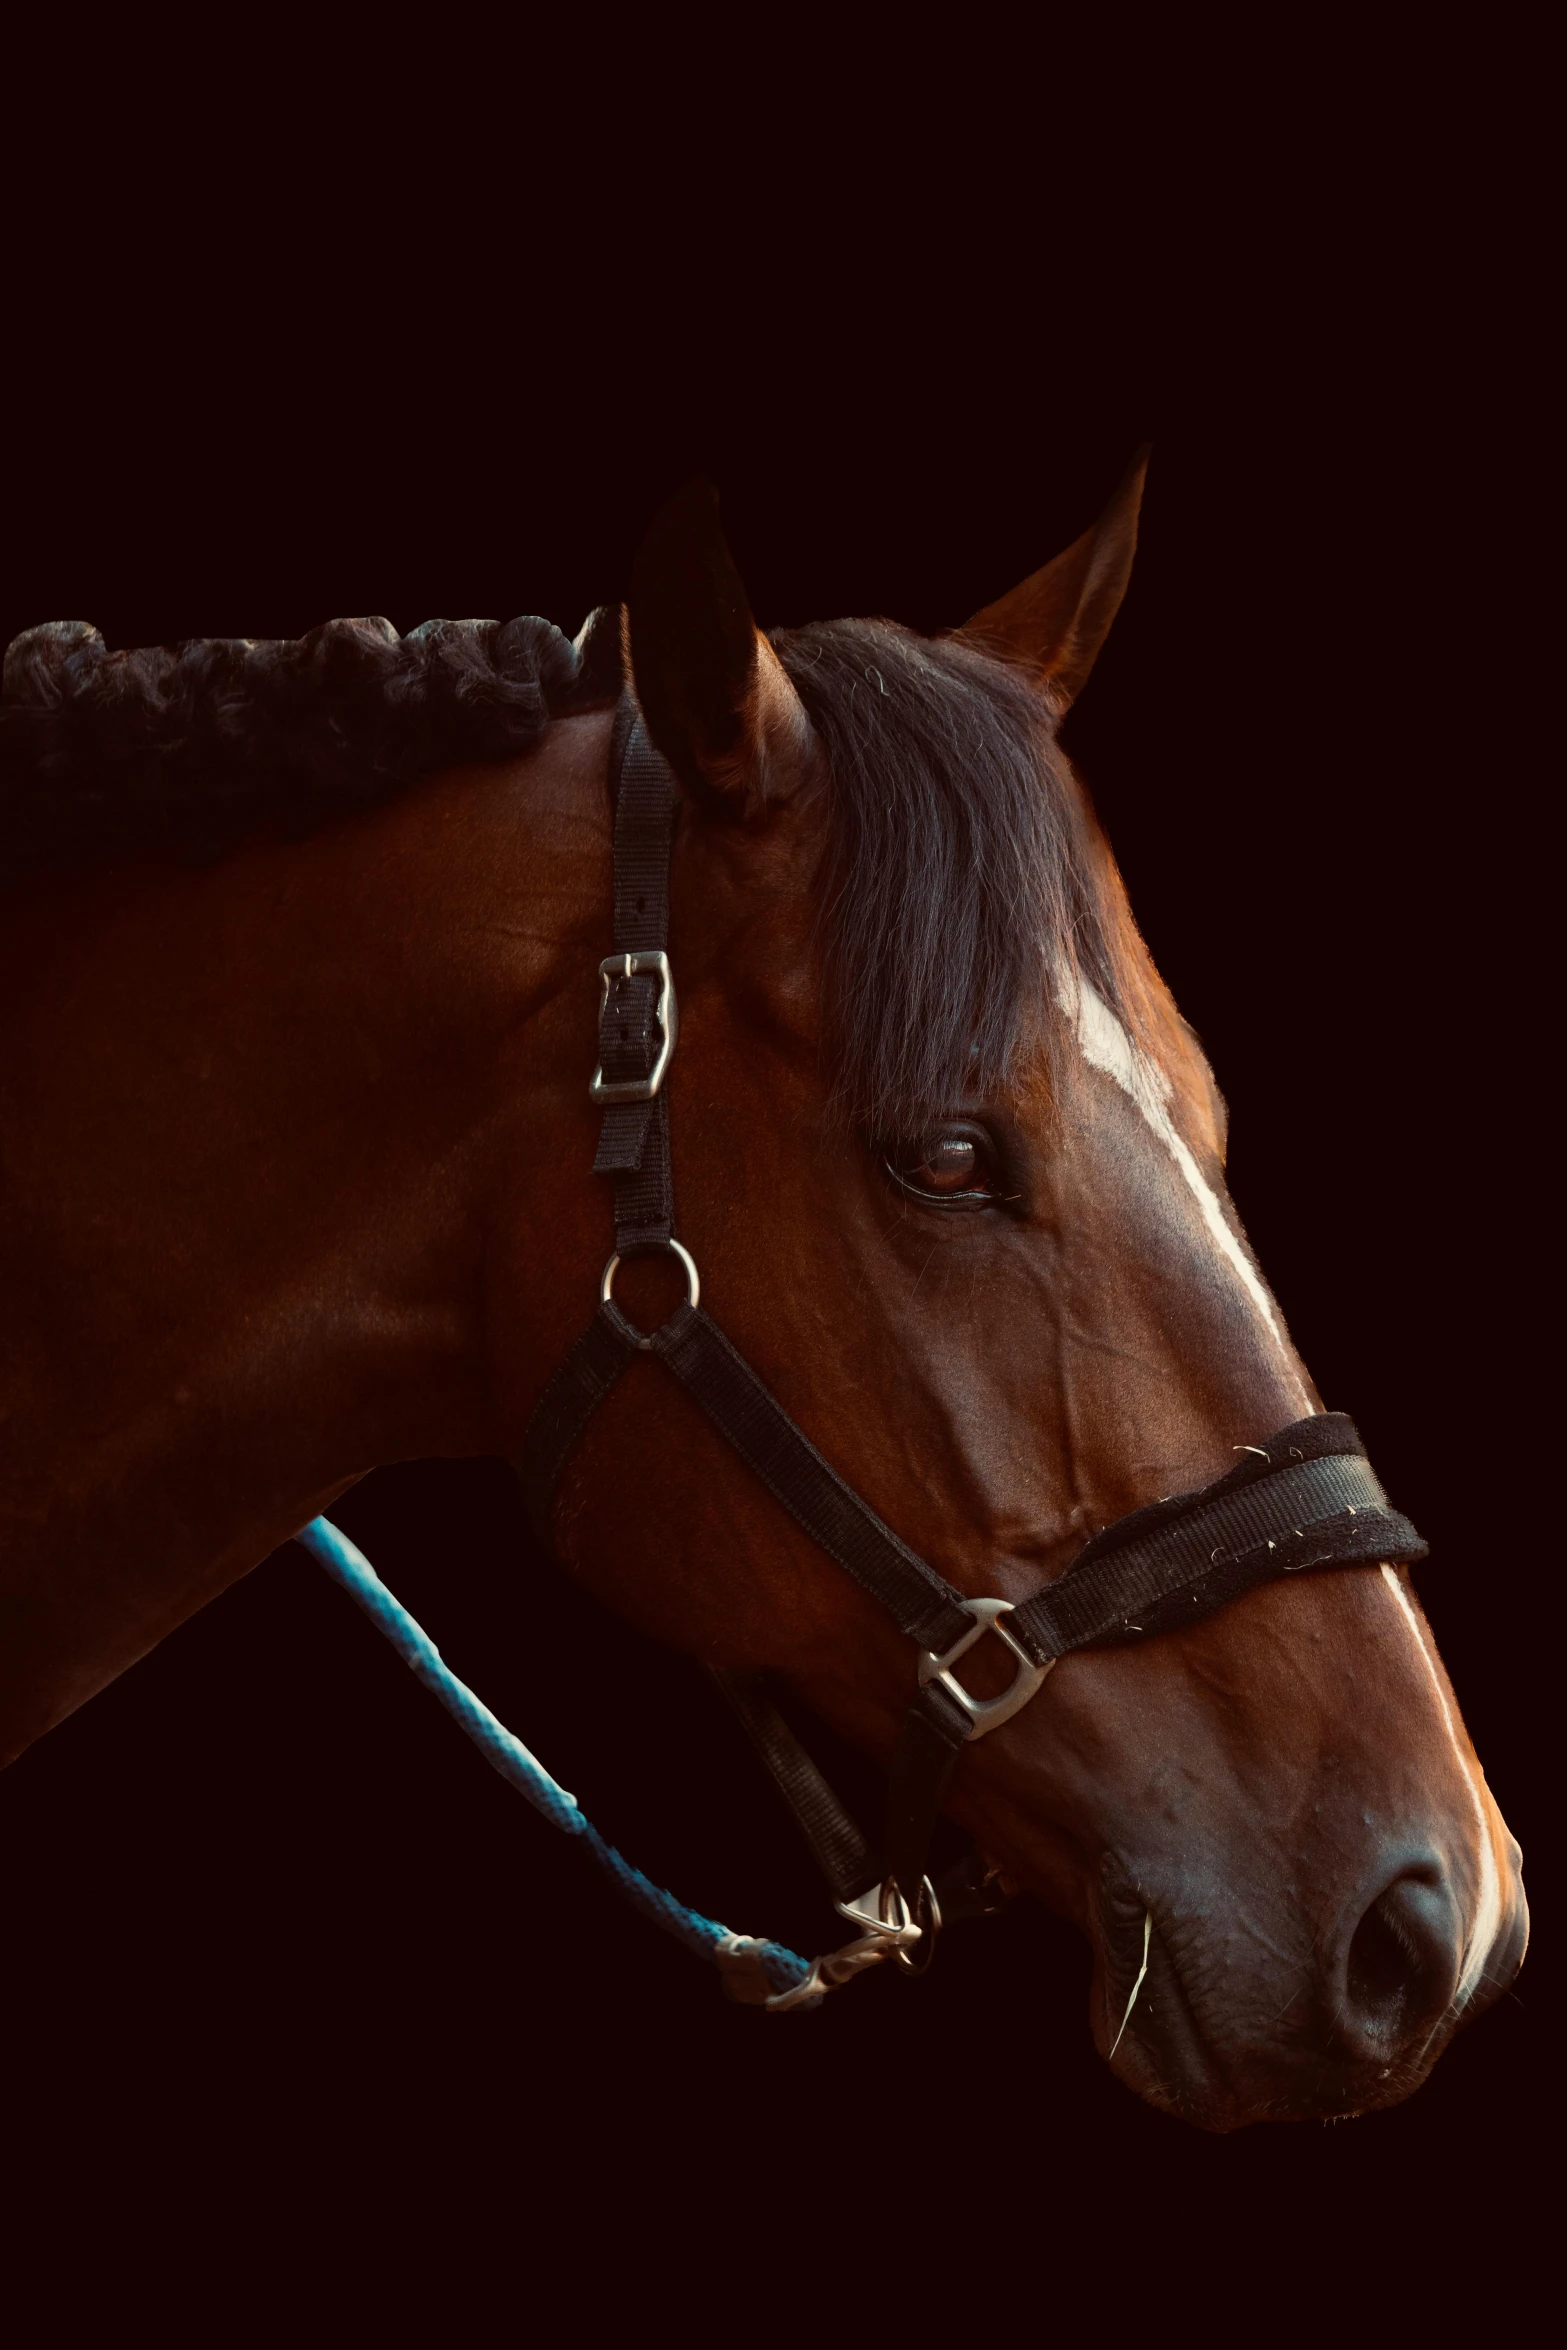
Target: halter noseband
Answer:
pixel 1307 1498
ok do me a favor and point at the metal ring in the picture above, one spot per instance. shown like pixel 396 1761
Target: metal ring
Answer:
pixel 926 1914
pixel 693 1278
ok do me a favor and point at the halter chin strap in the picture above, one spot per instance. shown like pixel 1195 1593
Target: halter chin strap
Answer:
pixel 1307 1498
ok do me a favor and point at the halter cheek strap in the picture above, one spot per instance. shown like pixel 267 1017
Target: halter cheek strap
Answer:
pixel 1306 1499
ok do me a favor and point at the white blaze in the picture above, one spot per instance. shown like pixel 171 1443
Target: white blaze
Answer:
pixel 1105 1045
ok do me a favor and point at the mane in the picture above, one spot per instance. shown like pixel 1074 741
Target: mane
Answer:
pixel 190 749
pixel 968 878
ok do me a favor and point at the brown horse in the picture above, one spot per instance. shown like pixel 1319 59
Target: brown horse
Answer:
pixel 300 1002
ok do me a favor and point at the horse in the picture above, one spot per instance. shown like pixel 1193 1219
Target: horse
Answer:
pixel 299 1003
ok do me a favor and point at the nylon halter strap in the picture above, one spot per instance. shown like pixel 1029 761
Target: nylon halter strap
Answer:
pixel 1307 1498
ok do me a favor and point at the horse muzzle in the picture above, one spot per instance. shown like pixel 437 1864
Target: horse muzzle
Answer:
pixel 1223 2018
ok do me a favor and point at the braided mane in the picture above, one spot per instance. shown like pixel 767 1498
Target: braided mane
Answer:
pixel 190 749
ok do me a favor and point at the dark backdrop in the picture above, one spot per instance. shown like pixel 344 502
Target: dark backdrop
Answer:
pixel 265 1904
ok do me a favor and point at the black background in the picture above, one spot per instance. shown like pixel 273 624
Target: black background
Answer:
pixel 281 1956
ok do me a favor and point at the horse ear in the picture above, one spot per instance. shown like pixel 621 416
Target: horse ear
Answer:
pixel 1057 620
pixel 715 695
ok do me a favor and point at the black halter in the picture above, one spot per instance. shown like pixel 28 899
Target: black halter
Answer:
pixel 1307 1498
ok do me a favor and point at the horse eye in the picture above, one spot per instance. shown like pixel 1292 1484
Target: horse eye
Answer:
pixel 948 1165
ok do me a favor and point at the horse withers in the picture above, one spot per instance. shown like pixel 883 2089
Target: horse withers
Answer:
pixel 300 1005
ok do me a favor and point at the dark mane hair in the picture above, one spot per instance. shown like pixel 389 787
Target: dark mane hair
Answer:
pixel 190 749
pixel 966 875
pixel 967 879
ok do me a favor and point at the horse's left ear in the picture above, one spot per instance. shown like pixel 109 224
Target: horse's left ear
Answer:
pixel 1057 620
pixel 714 693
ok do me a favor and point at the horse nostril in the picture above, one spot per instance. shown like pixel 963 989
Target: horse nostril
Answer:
pixel 1380 1959
pixel 1405 1955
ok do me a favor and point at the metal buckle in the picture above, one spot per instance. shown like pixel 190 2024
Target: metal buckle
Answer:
pixel 667 1014
pixel 985 1713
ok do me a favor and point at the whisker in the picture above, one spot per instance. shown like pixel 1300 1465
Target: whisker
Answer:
pixel 1136 1987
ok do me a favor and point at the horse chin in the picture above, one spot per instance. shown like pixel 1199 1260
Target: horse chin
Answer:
pixel 1146 2031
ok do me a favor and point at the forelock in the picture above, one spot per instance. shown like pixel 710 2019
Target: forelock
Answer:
pixel 964 883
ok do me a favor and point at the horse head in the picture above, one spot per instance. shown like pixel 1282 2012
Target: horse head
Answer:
pixel 952 1167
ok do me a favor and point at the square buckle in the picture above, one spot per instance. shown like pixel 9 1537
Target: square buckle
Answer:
pixel 985 1713
pixel 648 963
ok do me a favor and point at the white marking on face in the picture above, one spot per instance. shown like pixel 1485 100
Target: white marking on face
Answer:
pixel 1488 1908
pixel 1106 1045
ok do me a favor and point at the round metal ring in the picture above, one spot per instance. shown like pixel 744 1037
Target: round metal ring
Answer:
pixel 693 1279
pixel 927 1916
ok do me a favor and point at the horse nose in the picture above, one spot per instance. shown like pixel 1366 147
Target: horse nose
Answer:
pixel 1403 1961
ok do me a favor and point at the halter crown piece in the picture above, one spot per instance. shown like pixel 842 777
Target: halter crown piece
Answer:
pixel 1308 1498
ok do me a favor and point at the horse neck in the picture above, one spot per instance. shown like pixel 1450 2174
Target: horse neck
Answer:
pixel 255 1121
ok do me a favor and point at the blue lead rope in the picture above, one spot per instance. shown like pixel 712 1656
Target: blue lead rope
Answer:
pixel 784 1969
